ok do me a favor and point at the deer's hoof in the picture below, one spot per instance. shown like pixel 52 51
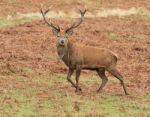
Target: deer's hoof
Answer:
pixel 126 93
pixel 98 91
pixel 78 89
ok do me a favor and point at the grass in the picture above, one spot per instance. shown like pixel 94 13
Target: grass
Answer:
pixel 23 18
pixel 14 22
pixel 35 93
pixel 113 35
pixel 48 94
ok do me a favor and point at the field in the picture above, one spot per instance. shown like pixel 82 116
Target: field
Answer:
pixel 33 78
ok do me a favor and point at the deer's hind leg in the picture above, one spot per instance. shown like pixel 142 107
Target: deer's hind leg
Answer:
pixel 101 73
pixel 115 73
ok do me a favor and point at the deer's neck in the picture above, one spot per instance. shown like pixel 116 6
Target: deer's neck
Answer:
pixel 65 53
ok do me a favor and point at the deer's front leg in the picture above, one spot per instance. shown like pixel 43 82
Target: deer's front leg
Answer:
pixel 69 77
pixel 78 71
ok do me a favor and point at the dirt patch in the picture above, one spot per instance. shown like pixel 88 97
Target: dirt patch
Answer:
pixel 33 45
pixel 30 67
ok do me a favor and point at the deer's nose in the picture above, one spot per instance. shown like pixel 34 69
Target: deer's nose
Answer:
pixel 62 41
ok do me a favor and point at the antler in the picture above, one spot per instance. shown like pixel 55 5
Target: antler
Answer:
pixel 75 25
pixel 50 24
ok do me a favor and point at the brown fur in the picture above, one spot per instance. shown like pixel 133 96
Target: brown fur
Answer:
pixel 89 57
pixel 78 57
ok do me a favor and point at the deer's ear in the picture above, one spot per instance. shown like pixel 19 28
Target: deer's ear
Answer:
pixel 55 32
pixel 69 33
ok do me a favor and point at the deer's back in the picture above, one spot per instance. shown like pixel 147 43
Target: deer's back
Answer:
pixel 93 57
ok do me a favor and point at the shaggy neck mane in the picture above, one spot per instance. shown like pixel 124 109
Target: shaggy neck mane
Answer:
pixel 69 52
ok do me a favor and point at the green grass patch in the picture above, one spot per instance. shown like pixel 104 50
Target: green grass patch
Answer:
pixel 103 12
pixel 113 36
pixel 14 22
pixel 18 103
pixel 46 94
pixel 144 13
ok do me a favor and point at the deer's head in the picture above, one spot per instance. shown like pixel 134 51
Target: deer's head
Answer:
pixel 62 37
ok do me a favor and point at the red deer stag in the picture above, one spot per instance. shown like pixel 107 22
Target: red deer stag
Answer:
pixel 78 57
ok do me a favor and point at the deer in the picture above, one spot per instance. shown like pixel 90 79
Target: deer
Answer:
pixel 78 57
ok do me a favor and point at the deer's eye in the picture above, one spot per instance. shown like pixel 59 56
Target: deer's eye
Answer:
pixel 58 35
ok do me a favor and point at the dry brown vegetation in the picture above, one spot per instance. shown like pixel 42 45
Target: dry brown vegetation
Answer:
pixel 28 59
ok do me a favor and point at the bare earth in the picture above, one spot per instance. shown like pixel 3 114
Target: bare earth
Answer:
pixel 32 45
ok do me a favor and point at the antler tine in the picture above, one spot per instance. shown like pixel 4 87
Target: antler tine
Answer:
pixel 50 24
pixel 82 12
pixel 75 25
pixel 82 16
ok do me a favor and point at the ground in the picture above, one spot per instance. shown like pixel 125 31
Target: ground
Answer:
pixel 33 78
